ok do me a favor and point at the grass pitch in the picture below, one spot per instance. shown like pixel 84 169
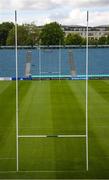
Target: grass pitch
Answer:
pixel 54 108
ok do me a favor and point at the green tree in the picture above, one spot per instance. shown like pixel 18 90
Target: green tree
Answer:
pixel 28 34
pixel 93 41
pixel 5 28
pixel 52 34
pixel 33 34
pixel 107 39
pixel 73 39
pixel 83 41
pixel 22 36
pixel 102 40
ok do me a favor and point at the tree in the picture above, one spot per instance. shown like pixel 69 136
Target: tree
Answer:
pixel 102 40
pixel 93 41
pixel 108 39
pixel 27 35
pixel 4 31
pixel 33 34
pixel 52 34
pixel 22 36
pixel 73 39
pixel 83 41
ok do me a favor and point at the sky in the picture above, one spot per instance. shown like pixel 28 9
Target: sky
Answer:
pixel 65 12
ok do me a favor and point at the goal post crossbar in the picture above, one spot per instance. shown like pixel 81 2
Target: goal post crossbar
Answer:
pixel 52 136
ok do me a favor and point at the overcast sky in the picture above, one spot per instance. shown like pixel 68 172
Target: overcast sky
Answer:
pixel 66 12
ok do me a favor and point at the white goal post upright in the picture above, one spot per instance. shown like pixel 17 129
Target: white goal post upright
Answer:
pixel 60 56
pixel 87 62
pixel 17 115
pixel 40 60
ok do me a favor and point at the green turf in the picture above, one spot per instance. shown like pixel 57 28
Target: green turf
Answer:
pixel 52 108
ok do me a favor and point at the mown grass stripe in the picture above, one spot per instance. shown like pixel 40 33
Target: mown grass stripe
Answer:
pixel 101 87
pixel 65 108
pixel 35 109
pixel 4 85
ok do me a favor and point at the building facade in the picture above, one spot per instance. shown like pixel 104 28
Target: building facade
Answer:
pixel 94 32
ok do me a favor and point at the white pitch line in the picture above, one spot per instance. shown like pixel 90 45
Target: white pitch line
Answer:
pixel 32 136
pixel 71 136
pixel 51 136
pixel 5 172
pixel 41 171
pixel 6 158
pixel 48 171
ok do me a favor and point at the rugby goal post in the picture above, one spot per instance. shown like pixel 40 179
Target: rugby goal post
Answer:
pixel 17 107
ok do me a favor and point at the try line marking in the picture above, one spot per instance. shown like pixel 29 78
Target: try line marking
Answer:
pixel 52 136
pixel 40 171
